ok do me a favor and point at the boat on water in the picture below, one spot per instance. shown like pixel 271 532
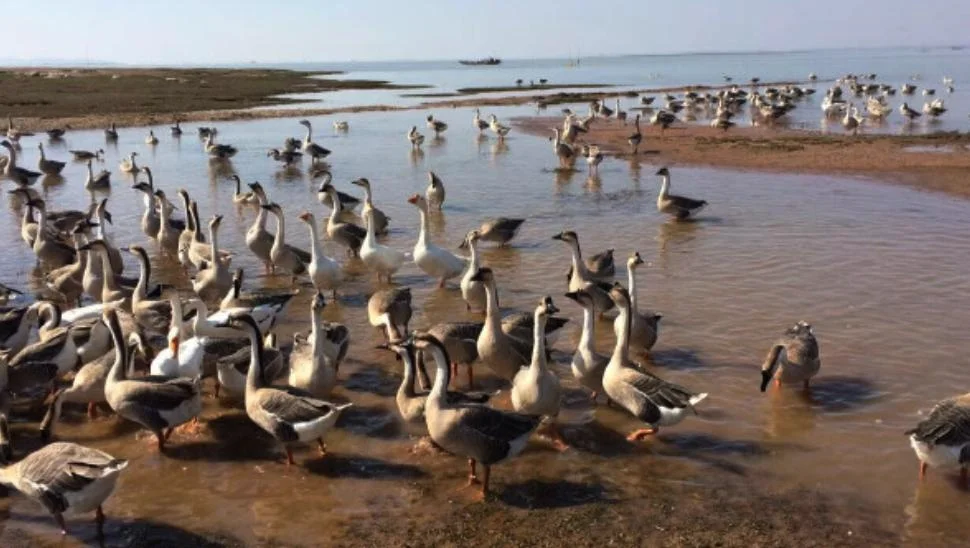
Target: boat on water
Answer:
pixel 485 61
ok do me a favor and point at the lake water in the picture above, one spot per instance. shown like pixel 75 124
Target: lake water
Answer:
pixel 880 270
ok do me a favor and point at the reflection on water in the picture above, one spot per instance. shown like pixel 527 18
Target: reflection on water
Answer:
pixel 879 270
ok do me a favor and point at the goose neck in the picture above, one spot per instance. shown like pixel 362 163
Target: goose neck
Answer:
pixel 442 376
pixel 254 377
pixel 493 320
pixel 621 352
pixel 407 382
pixel 664 185
pixel 144 274
pixel 632 283
pixel 589 329
pixel 117 372
pixel 539 342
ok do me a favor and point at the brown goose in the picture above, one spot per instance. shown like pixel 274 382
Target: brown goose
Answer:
pixel 580 276
pixel 287 257
pixel 942 440
pixel 481 434
pixel 286 415
pixel 794 358
pixel 66 478
pixel 157 403
pixel 348 235
pixel 390 310
pixel 502 353
pixel 678 206
pixel 644 326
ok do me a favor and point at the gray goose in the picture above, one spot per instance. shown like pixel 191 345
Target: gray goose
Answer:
pixel 390 310
pixel 154 314
pixel 258 239
pixel 15 326
pixel 481 434
pixel 794 358
pixel 347 201
pixel 411 401
pixel 461 342
pixel 12 171
pixel 588 365
pixel 66 280
pixel 500 230
pixel 378 217
pixel 435 193
pixel 679 207
pixel 156 403
pixel 50 251
pixel 66 478
pixel 942 440
pixel 502 353
pixel 48 167
pixel 601 266
pixel 287 257
pixel 647 397
pixel 644 327
pixel 580 276
pixel 287 415
pixel 348 235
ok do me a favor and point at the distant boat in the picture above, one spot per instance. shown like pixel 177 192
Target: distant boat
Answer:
pixel 485 61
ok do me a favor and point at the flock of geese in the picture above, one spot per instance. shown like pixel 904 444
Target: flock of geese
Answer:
pixel 64 350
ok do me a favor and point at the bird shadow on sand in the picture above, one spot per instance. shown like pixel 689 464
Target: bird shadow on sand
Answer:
pixel 596 439
pixel 842 393
pixel 373 422
pixel 539 494
pixel 234 438
pixel 710 450
pixel 361 467
pixel 373 380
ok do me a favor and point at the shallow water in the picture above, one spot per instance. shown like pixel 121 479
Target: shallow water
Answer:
pixel 880 270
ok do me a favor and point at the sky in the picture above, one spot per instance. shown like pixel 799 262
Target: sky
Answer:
pixel 269 31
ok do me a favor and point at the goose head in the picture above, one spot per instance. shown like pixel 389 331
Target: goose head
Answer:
pixel 137 251
pixel 6 144
pixel 362 182
pixel 434 180
pixel 305 123
pixel 484 275
pixel 663 172
pixel 273 207
pixel 418 201
pixel 143 187
pixel 215 222
pixel 802 328
pixel 546 307
pixel 430 118
pixel 426 341
pixel 471 239
pixel 404 348
pixel 620 296
pixel 307 218
pixel 634 261
pixel 567 236
pixel 581 297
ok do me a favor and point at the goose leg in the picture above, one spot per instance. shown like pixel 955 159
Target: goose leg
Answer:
pixel 322 447
pixel 963 477
pixel 641 433
pixel 485 475
pixel 60 522
pixel 99 520
pixel 289 457
pixel 556 436
pixel 92 410
pixel 472 474
pixel 922 471
pixel 471 377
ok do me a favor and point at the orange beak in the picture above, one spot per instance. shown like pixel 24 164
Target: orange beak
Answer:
pixel 305 216
pixel 413 199
pixel 173 345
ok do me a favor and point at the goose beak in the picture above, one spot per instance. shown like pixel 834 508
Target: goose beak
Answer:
pixel 552 309
pixel 557 237
pixel 765 379
pixel 107 217
pixel 572 295
pixel 413 199
pixel 463 244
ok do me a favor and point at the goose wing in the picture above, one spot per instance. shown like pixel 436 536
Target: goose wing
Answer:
pixel 10 320
pixel 494 430
pixel 44 350
pixel 684 203
pixel 292 406
pixel 161 393
pixel 657 392
pixel 948 423
pixel 60 469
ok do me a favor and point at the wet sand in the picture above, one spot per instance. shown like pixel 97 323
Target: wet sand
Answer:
pixel 935 162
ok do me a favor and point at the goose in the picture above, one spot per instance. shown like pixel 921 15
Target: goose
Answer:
pixel 415 138
pixel 794 358
pixel 678 206
pixel 379 218
pixel 183 356
pixel 479 433
pixel 111 134
pixel 851 121
pixel 103 217
pixel 324 271
pixel 501 352
pixel 664 119
pixel 177 128
pixel 942 439
pixel 313 150
pixel 12 171
pixel 390 310
pixel 382 259
pixel 51 252
pixel 266 307
pixel 315 363
pixel 169 230
pixel 536 389
pixel 644 327
pixel 56 347
pixel 435 193
pixel 150 313
pixel 212 282
pixel 565 153
pixel 348 235
pixel 66 280
pixel 109 281
pixel 48 167
pixel 158 404
pixel 588 365
pixel 647 397
pixel 100 182
pixel 520 325
pixel 56 133
pixel 478 123
pixel 435 261
pixel 472 292
pixel 151 222
pixel 191 234
pixel 341 125
pixel 207 131
pixel 437 126
pixel 580 276
pixel 288 158
pixel 128 164
pixel 928 91
pixel 571 129
pixel 636 138
pixel 151 139
pixel 84 155
pixel 594 157
pixel 461 342
pixel 258 239
pixel 620 114
pixel 498 128
pixel 410 401
pixel 603 110
pixel 292 144
pixel 909 113
pixel 15 325
pixel 601 266
pixel 30 379
pixel 199 252
pixel 347 202
pixel 500 230
pixel 221 152
pixel 66 478
pixel 287 416
pixel 231 370
pixel 934 108
pixel 88 386
pixel 242 198
pixel 286 257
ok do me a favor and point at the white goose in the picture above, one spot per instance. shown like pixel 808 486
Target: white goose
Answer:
pixel 151 139
pixel 435 261
pixel 498 128
pixel 183 356
pixel 128 164
pixel 471 291
pixel 325 272
pixel 382 259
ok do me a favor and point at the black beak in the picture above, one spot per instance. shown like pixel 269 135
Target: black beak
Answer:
pixel 107 217
pixel 765 379
pixel 463 244
pixel 552 309
pixel 557 237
